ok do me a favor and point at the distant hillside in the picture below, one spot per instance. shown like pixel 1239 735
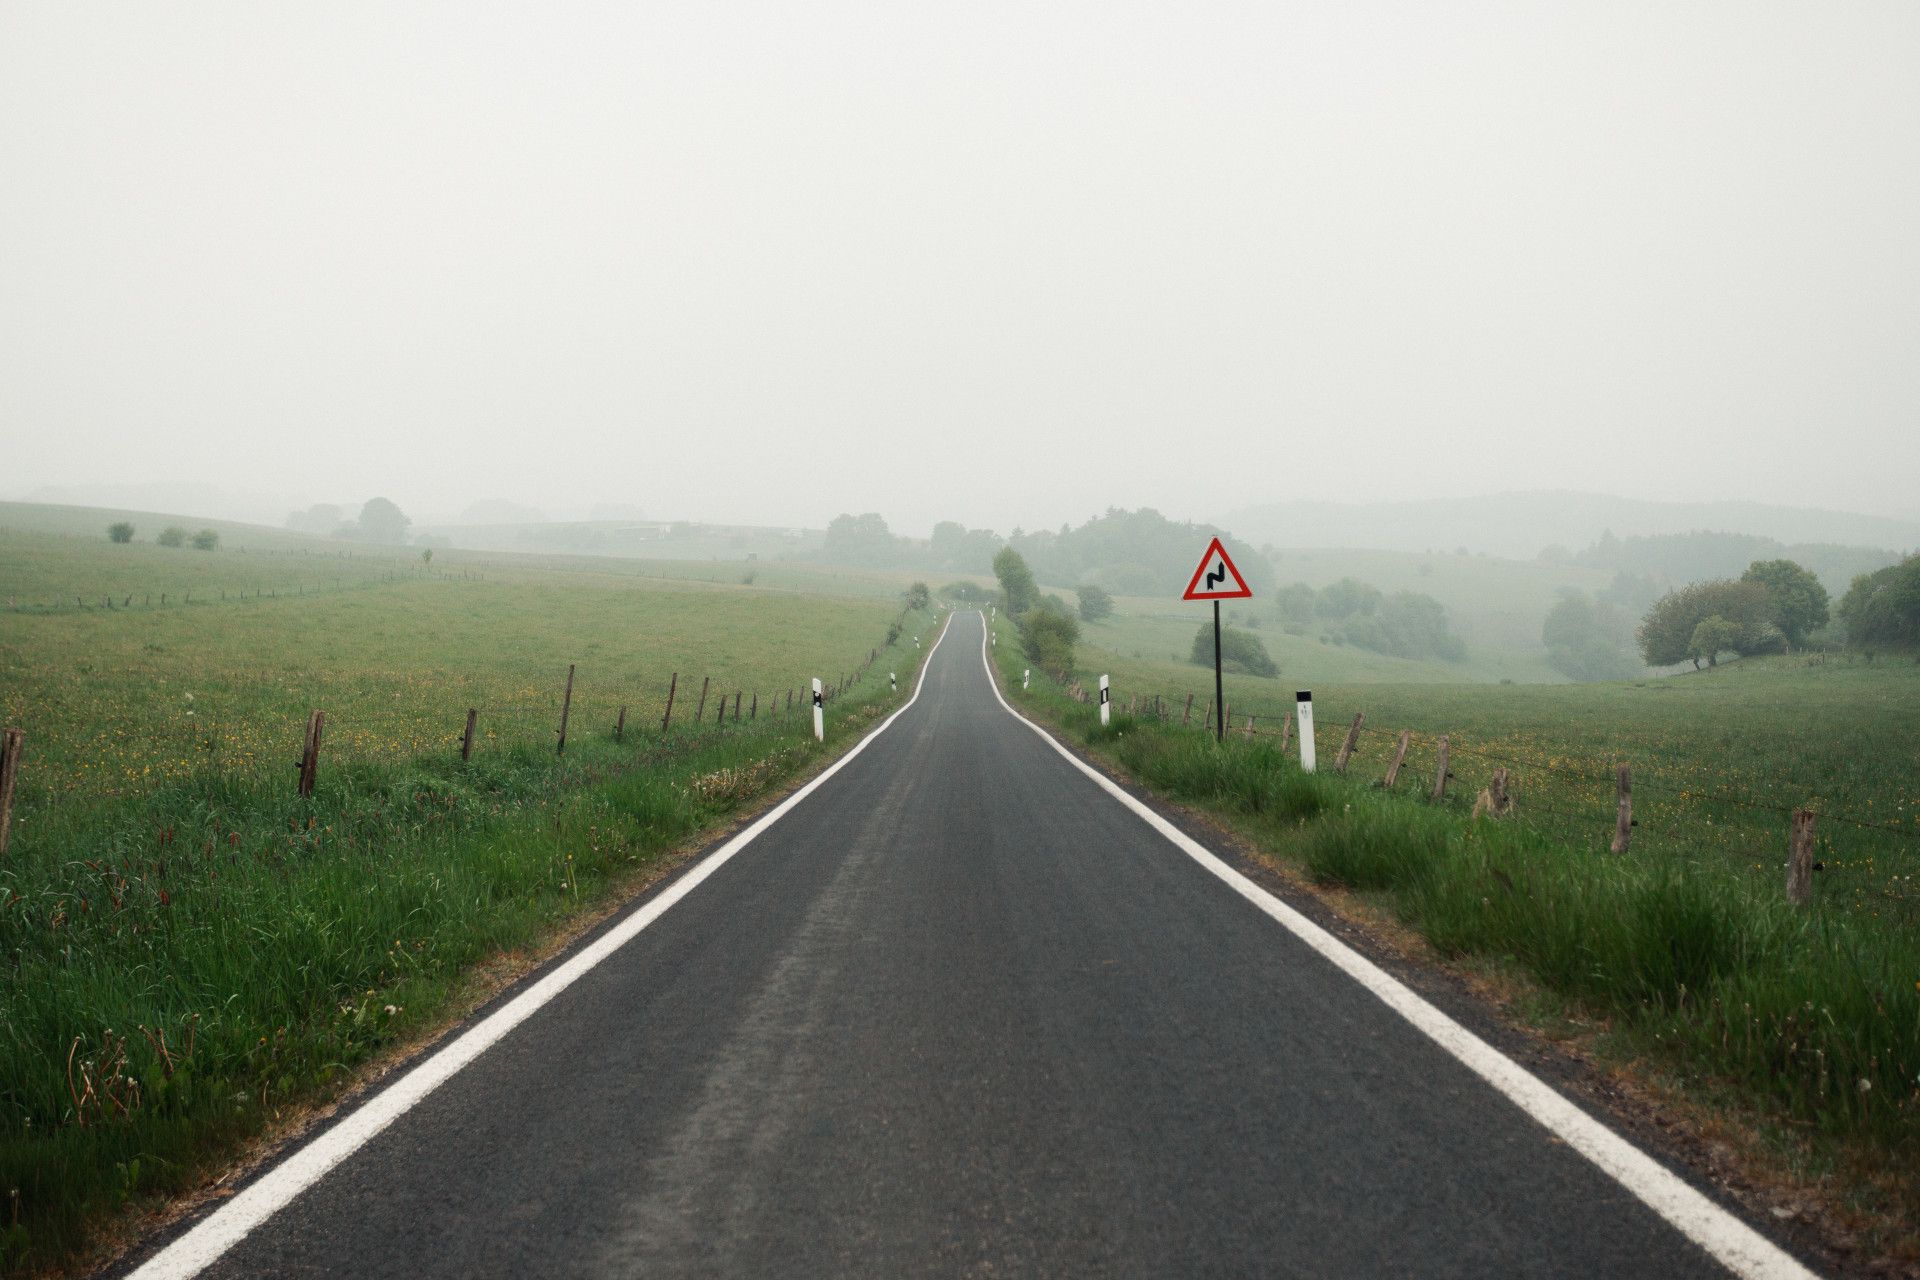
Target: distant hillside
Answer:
pixel 1521 525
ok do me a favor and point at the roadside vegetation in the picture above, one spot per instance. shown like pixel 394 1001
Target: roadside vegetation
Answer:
pixel 197 952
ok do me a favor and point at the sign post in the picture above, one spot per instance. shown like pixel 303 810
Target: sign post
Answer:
pixel 1104 696
pixel 1216 579
pixel 819 712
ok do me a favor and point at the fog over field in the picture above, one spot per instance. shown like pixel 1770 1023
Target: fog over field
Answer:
pixel 995 263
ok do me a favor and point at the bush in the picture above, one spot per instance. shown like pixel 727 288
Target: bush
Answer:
pixel 1239 651
pixel 1667 634
pixel 1883 608
pixel 1048 635
pixel 1095 603
pixel 206 540
pixel 172 536
pixel 918 597
pixel 966 593
pixel 120 531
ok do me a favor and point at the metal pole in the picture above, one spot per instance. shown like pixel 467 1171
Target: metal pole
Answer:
pixel 1219 686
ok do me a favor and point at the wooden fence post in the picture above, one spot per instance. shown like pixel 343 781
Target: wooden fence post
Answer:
pixel 1800 859
pixel 700 712
pixel 10 744
pixel 466 739
pixel 1496 798
pixel 1623 820
pixel 1286 731
pixel 620 725
pixel 1249 733
pixel 310 756
pixel 1186 717
pixel 736 706
pixel 1399 757
pixel 1206 721
pixel 566 709
pixel 789 708
pixel 1440 775
pixel 753 712
pixel 1346 748
pixel 666 721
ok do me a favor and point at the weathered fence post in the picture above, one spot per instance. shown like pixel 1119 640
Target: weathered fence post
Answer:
pixel 1440 775
pixel 1186 717
pixel 1206 721
pixel 1399 757
pixel 1249 733
pixel 1800 859
pixel 700 712
pixel 736 706
pixel 753 712
pixel 620 725
pixel 1346 748
pixel 789 707
pixel 466 739
pixel 666 721
pixel 1494 801
pixel 10 744
pixel 566 709
pixel 1286 732
pixel 1623 819
pixel 310 755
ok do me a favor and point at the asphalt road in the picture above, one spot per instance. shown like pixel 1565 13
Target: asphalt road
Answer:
pixel 962 1013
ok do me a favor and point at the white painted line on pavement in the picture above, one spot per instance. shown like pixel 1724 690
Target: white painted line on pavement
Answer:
pixel 1732 1242
pixel 231 1223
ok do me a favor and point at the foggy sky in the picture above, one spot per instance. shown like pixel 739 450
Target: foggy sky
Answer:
pixel 1001 263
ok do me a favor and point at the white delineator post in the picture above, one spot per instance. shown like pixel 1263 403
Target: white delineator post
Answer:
pixel 893 682
pixel 1026 674
pixel 1105 711
pixel 819 713
pixel 1303 709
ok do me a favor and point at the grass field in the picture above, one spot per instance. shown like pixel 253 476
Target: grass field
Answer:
pixel 1683 954
pixel 196 949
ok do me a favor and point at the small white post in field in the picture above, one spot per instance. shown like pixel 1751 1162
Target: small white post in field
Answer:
pixel 893 682
pixel 1026 674
pixel 819 712
pixel 916 642
pixel 1105 694
pixel 1303 710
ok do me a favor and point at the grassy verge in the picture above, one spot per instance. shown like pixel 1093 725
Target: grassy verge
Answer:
pixel 1804 1024
pixel 215 950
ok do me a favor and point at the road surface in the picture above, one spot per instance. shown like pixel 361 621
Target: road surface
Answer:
pixel 959 1011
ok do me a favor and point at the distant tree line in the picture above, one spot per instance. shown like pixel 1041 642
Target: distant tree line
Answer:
pixel 1405 624
pixel 378 520
pixel 1706 555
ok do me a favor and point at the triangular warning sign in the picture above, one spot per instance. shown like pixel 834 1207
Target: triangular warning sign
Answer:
pixel 1216 578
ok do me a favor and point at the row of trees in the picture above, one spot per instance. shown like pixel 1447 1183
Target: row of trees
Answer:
pixel 1048 631
pixel 1774 605
pixel 171 536
pixel 378 520
pixel 1405 624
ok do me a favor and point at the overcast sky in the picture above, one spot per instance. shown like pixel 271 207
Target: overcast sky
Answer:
pixel 1002 263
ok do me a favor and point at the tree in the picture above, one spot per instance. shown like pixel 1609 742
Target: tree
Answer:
pixel 1883 608
pixel 120 531
pixel 1295 603
pixel 1239 651
pixel 206 540
pixel 862 539
pixel 1016 581
pixel 1347 597
pixel 1799 601
pixel 1712 635
pixel 1666 634
pixel 1095 603
pixel 172 536
pixel 1588 639
pixel 382 521
pixel 426 557
pixel 918 597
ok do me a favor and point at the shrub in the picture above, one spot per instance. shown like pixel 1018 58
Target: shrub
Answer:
pixel 918 597
pixel 120 531
pixel 172 536
pixel 206 540
pixel 1048 634
pixel 1883 608
pixel 1095 603
pixel 1239 651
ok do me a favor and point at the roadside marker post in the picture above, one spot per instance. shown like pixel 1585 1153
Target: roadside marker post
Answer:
pixel 1105 695
pixel 893 682
pixel 819 713
pixel 1026 674
pixel 1221 582
pixel 1303 710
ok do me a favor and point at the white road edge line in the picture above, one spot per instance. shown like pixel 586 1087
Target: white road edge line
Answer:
pixel 232 1222
pixel 1733 1243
